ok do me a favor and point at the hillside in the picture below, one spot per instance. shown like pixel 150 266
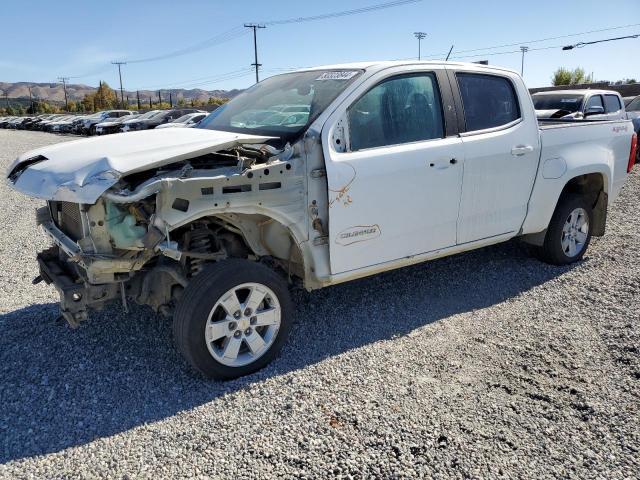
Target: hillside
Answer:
pixel 54 92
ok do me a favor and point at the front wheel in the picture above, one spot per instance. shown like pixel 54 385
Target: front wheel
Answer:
pixel 569 232
pixel 233 319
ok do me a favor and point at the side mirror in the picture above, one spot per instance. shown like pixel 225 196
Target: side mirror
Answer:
pixel 594 111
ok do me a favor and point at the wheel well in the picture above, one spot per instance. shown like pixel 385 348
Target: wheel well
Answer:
pixel 591 185
pixel 256 237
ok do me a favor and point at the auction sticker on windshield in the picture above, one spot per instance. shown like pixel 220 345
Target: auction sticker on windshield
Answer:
pixel 346 75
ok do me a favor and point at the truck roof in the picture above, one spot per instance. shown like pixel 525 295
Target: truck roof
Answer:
pixel 582 91
pixel 382 64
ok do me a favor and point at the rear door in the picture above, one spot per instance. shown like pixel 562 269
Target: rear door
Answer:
pixel 394 190
pixel 613 107
pixel 501 150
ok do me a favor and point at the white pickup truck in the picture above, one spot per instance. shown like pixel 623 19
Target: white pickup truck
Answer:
pixel 314 178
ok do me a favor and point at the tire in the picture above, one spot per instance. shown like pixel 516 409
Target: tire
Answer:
pixel 209 344
pixel 92 130
pixel 566 242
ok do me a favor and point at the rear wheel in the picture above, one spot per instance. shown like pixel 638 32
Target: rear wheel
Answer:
pixel 569 232
pixel 233 319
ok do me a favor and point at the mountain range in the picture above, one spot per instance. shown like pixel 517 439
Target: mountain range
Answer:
pixel 54 92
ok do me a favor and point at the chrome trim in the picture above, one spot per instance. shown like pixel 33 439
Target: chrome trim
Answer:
pixel 506 126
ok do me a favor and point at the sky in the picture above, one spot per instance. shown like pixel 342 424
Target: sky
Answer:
pixel 79 39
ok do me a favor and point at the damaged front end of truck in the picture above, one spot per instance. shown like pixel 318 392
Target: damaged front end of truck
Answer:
pixel 137 224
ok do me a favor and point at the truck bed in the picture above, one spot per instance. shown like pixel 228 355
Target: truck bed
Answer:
pixel 571 148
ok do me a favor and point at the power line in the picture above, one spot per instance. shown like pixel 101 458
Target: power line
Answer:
pixel 436 56
pixel 206 79
pixel 344 13
pixel 92 73
pixel 239 31
pixel 582 44
pixel 223 37
pixel 195 82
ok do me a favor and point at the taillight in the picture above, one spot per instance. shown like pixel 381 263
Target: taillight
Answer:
pixel 632 153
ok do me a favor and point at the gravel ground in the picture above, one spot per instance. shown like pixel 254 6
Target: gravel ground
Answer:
pixel 486 364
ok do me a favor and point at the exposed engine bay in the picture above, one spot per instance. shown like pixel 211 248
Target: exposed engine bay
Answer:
pixel 146 236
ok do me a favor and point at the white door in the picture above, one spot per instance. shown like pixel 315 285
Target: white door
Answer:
pixel 501 156
pixel 395 191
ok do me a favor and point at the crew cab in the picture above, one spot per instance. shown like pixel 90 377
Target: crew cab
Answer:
pixel 579 104
pixel 388 164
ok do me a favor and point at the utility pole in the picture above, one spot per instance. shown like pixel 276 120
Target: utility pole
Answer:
pixel 159 99
pixel 523 50
pixel 6 97
pixel 170 99
pixel 138 97
pixel 420 36
pixel 64 81
pixel 119 64
pixel 31 102
pixel 255 26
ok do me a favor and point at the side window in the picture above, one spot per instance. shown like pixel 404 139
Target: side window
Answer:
pixel 612 103
pixel 595 101
pixel 398 110
pixel 488 101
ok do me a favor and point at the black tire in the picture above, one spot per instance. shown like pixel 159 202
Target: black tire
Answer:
pixel 552 250
pixel 200 297
pixel 92 130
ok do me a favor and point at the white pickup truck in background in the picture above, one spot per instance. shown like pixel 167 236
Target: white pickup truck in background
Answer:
pixel 579 104
pixel 314 178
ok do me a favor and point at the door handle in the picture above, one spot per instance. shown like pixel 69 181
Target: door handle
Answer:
pixel 520 150
pixel 443 165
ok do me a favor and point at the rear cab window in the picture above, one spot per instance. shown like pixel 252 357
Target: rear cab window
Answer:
pixel 489 101
pixel 612 103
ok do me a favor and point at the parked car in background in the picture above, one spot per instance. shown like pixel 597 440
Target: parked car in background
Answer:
pixel 633 113
pixel 632 107
pixel 55 125
pixel 6 121
pixel 185 121
pixel 579 104
pixel 89 123
pixel 398 163
pixel 44 124
pixel 126 124
pixel 113 125
pixel 164 116
pixel 17 122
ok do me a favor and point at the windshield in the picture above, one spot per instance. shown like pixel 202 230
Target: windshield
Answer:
pixel 281 106
pixel 569 102
pixel 634 106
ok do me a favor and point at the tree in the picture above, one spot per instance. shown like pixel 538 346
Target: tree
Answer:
pixel 104 98
pixel 564 76
pixel 217 101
